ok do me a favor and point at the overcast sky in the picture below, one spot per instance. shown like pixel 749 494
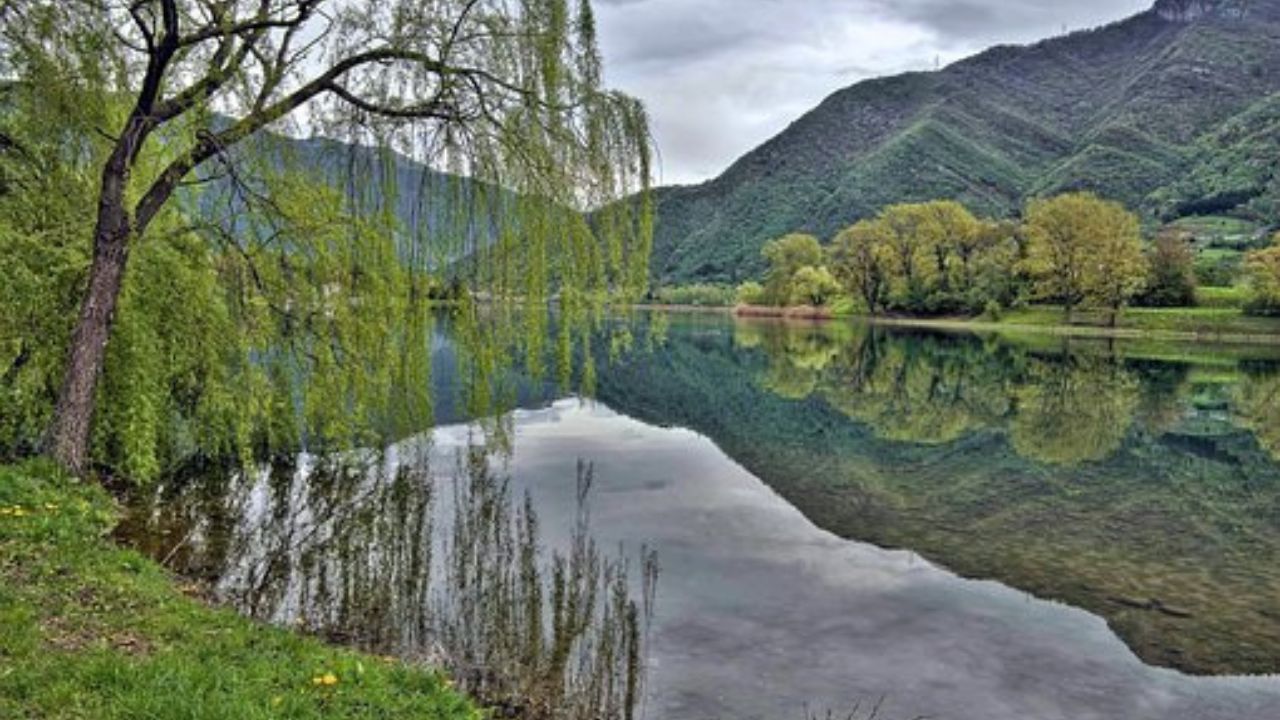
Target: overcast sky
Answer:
pixel 722 76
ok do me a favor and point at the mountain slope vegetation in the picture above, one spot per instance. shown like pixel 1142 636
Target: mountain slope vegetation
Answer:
pixel 1172 111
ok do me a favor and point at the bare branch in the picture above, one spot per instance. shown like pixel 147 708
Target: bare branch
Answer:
pixel 304 10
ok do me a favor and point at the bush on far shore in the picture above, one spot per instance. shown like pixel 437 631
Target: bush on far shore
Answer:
pixel 698 295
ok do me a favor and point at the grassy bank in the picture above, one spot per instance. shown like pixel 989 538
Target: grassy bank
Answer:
pixel 1212 324
pixel 90 630
pixel 1226 325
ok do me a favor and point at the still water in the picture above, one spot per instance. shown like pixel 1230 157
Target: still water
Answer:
pixel 966 527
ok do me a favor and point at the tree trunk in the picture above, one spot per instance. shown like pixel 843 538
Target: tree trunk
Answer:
pixel 73 417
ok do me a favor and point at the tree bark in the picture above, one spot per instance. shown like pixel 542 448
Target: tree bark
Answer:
pixel 73 416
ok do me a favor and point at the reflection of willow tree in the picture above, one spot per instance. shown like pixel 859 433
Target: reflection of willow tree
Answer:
pixel 1257 405
pixel 1074 410
pixel 798 355
pixel 499 346
pixel 366 551
pixel 925 390
pixel 334 547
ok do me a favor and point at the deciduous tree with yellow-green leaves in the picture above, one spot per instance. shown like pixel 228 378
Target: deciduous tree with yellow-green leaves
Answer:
pixel 910 241
pixel 858 257
pixel 1263 269
pixel 1083 249
pixel 813 285
pixel 786 256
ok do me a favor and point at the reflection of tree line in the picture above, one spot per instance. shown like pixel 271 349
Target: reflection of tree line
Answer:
pixel 978 454
pixel 1061 408
pixel 373 554
pixel 1257 405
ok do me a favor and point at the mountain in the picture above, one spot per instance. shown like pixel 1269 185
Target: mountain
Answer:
pixel 442 217
pixel 1175 111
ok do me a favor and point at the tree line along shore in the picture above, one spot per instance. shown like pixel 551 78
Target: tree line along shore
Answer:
pixel 1071 260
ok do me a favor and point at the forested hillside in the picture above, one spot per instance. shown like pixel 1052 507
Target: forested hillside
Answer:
pixel 1173 112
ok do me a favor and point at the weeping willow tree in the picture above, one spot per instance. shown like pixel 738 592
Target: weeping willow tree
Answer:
pixel 159 98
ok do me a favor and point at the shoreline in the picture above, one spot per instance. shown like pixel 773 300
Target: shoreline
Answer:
pixel 81 608
pixel 1069 331
pixel 978 326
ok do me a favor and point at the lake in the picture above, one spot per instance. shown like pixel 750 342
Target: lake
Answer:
pixel 960 527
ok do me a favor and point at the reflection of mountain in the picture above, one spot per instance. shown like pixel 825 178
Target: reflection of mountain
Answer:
pixel 1127 488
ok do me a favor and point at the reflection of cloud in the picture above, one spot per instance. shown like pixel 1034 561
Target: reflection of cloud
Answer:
pixel 722 76
pixel 675 490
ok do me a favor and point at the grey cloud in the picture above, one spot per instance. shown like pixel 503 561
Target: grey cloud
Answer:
pixel 985 21
pixel 722 76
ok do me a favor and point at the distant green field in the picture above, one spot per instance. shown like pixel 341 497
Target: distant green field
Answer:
pixel 1222 297
pixel 1219 253
pixel 1219 231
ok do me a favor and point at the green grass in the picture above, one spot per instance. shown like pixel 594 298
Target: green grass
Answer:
pixel 90 630
pixel 1215 254
pixel 1200 321
pixel 1222 297
pixel 1224 326
pixel 1219 230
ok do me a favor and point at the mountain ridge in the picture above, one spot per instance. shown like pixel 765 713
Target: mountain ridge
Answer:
pixel 1133 110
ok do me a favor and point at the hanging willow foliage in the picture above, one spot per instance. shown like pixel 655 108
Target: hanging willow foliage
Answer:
pixel 276 291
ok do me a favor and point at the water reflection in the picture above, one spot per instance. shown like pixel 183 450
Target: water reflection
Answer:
pixel 326 546
pixel 1140 483
pixel 368 551
pixel 1064 409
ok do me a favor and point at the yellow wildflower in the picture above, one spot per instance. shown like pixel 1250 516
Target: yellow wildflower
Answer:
pixel 330 679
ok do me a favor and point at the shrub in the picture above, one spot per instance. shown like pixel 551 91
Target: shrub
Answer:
pixel 1263 269
pixel 1218 268
pixel 1171 276
pixel 698 295
pixel 751 293
pixel 786 256
pixel 814 286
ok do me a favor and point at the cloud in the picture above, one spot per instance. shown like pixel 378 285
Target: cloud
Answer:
pixel 722 76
